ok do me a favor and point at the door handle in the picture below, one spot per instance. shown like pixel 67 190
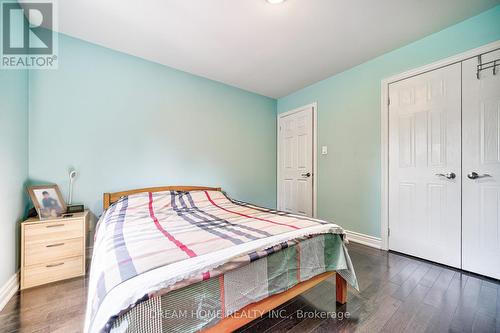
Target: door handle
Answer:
pixel 475 175
pixel 306 175
pixel 448 175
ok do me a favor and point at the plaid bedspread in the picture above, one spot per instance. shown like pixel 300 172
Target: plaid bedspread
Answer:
pixel 148 244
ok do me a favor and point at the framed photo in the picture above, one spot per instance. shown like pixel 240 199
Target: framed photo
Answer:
pixel 48 201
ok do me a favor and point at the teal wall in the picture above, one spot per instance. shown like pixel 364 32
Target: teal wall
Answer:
pixel 349 120
pixel 13 165
pixel 124 122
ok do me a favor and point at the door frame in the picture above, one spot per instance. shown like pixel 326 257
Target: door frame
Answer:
pixel 314 107
pixel 384 124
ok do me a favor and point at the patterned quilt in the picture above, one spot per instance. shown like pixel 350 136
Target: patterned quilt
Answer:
pixel 148 244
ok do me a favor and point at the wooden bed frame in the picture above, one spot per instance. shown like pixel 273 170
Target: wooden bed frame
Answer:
pixel 110 198
pixel 241 317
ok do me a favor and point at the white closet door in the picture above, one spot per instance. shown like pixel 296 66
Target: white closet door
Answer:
pixel 425 165
pixel 481 168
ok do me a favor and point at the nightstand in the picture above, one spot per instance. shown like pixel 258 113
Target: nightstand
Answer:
pixel 53 250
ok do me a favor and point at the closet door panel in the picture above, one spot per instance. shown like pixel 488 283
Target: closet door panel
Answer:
pixel 481 167
pixel 424 151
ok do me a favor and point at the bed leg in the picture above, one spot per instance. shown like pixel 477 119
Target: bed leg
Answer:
pixel 341 289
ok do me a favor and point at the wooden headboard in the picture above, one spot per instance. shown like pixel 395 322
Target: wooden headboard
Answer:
pixel 110 198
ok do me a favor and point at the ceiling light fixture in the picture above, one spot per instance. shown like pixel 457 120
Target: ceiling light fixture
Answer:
pixel 275 2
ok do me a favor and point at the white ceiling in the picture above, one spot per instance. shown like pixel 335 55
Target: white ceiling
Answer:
pixel 272 50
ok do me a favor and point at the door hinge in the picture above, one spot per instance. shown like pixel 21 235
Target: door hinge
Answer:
pixel 388 231
pixel 388 101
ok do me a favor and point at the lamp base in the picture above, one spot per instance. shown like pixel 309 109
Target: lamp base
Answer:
pixel 74 208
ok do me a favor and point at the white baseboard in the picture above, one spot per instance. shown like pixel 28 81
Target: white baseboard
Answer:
pixel 367 240
pixel 8 290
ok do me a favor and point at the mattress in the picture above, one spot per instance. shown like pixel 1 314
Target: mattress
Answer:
pixel 204 304
pixel 148 245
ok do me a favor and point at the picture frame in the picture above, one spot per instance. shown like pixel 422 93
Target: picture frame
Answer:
pixel 48 201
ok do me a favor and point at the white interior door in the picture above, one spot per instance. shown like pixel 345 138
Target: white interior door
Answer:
pixel 295 162
pixel 481 168
pixel 425 165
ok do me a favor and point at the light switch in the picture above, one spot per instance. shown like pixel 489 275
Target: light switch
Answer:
pixel 324 150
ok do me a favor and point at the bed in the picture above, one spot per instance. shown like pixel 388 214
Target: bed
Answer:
pixel 190 259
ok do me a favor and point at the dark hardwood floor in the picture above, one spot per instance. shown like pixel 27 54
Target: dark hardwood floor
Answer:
pixel 397 294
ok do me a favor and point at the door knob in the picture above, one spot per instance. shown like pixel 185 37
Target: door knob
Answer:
pixel 475 175
pixel 306 175
pixel 448 175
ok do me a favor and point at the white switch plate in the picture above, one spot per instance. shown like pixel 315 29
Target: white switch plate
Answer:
pixel 324 150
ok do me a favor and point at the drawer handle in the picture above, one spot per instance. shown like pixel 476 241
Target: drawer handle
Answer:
pixel 54 265
pixel 55 225
pixel 55 245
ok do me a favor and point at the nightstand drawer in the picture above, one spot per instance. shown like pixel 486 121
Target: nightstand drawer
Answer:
pixel 53 231
pixel 53 271
pixel 38 253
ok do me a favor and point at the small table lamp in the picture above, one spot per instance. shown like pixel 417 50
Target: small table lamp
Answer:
pixel 73 208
